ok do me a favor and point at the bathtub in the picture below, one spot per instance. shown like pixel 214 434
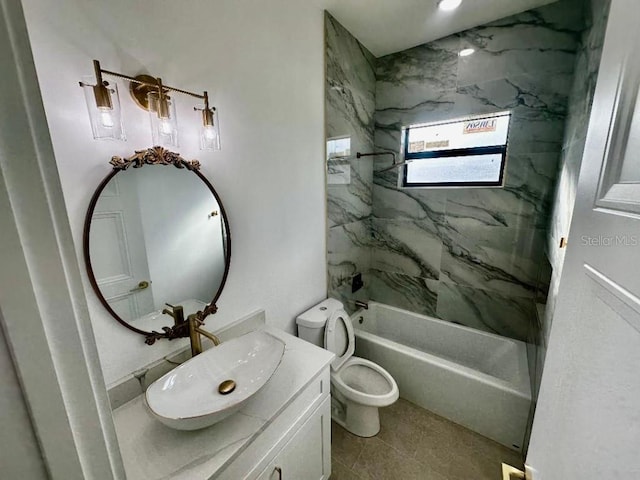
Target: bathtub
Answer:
pixel 473 378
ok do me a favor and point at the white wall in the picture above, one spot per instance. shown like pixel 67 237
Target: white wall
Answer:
pixel 263 67
pixel 20 455
pixel 183 245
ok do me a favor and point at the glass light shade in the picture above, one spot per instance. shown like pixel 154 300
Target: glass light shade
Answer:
pixel 103 105
pixel 210 131
pixel 164 123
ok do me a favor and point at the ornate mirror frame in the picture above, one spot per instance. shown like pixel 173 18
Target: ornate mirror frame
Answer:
pixel 154 156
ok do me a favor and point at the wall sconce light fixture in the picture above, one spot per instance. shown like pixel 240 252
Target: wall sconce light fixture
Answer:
pixel 149 93
pixel 210 129
pixel 103 104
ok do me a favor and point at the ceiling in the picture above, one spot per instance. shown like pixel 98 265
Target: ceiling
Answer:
pixel 388 26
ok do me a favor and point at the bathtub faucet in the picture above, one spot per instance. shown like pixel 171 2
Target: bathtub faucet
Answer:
pixel 360 304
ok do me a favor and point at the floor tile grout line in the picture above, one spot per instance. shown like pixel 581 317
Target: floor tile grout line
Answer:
pixel 357 458
pixel 350 440
pixel 350 469
pixel 415 455
pixel 396 448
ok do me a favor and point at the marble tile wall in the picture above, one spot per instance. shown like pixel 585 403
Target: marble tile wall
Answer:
pixel 473 256
pixel 579 110
pixel 350 109
pixel 580 102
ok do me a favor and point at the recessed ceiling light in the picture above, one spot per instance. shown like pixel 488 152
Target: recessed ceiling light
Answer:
pixel 466 52
pixel 448 5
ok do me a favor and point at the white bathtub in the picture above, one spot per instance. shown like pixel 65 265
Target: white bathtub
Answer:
pixel 476 379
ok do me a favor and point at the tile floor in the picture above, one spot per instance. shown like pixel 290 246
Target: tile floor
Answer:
pixel 415 444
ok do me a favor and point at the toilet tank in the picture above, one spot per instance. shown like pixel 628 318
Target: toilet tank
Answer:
pixel 311 323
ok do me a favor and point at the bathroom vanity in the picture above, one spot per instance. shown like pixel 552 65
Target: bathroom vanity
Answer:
pixel 283 432
pixel 158 266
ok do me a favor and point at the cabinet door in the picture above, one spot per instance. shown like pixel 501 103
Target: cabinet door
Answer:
pixel 307 456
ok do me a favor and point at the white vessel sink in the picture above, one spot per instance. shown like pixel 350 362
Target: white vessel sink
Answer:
pixel 188 397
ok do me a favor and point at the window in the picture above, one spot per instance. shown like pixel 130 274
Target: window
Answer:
pixel 338 167
pixel 464 152
pixel 338 147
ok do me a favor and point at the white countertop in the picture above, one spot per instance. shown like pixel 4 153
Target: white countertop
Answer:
pixel 152 451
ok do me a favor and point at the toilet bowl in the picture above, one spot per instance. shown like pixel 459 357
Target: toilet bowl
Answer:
pixel 359 386
pixel 363 386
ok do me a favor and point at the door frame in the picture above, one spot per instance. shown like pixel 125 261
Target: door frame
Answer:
pixel 44 312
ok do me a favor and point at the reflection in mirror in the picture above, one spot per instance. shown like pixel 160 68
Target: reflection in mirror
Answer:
pixel 157 235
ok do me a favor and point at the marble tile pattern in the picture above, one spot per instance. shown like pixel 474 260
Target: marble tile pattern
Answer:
pixel 472 255
pixel 414 443
pixel 579 111
pixel 350 109
pixel 580 102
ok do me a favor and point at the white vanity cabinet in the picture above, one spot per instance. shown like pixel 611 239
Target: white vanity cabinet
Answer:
pixel 282 433
pixel 297 444
pixel 307 455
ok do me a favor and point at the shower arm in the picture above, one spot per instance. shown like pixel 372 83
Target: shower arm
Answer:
pixel 393 155
pixel 374 154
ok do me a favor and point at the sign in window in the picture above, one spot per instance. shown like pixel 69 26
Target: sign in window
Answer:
pixel 465 152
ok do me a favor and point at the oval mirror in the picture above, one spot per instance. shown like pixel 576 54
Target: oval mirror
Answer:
pixel 155 238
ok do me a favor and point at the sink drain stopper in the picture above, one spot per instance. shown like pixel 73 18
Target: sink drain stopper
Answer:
pixel 226 387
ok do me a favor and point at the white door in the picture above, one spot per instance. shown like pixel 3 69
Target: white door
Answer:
pixel 118 253
pixel 587 424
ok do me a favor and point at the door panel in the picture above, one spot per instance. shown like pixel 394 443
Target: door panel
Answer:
pixel 303 457
pixel 114 264
pixel 116 232
pixel 125 305
pixel 598 398
pixel 619 186
pixel 307 455
pixel 587 422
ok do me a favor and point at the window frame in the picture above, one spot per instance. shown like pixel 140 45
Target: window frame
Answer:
pixel 455 152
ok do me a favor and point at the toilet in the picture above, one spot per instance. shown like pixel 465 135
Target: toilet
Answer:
pixel 358 386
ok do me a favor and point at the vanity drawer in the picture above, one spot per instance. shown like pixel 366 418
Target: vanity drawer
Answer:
pixel 258 455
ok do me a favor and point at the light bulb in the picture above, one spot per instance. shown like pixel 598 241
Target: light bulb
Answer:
pixel 466 52
pixel 165 126
pixel 103 105
pixel 209 132
pixel 448 5
pixel 106 118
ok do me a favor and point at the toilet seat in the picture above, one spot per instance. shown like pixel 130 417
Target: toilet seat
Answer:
pixel 372 385
pixel 339 338
pixel 357 379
